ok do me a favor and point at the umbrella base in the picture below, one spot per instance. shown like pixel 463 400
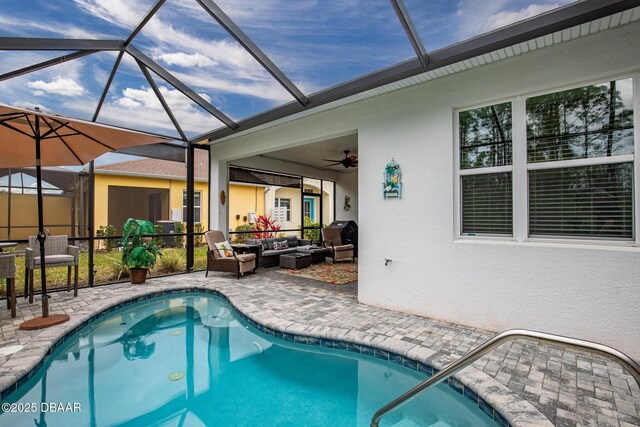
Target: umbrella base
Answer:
pixel 44 322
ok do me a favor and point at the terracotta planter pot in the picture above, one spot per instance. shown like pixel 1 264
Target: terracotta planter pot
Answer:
pixel 138 275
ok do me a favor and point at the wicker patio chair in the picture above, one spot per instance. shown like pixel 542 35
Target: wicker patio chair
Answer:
pixel 237 263
pixel 333 242
pixel 8 272
pixel 58 253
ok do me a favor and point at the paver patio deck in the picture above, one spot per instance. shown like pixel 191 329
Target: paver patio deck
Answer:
pixel 571 388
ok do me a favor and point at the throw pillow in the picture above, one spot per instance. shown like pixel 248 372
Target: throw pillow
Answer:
pixel 224 249
pixel 281 245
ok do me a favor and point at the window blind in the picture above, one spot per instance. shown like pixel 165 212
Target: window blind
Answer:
pixel 586 201
pixel 487 206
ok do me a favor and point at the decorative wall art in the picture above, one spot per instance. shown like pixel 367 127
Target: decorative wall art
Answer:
pixel 392 185
pixel 347 203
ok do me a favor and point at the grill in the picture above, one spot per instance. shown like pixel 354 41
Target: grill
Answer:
pixel 348 233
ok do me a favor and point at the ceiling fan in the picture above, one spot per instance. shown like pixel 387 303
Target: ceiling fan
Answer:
pixel 347 162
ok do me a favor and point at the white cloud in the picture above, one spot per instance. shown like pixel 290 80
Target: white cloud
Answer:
pixel 505 18
pixel 185 60
pixel 140 109
pixel 25 27
pixel 123 13
pixel 58 86
pixel 475 17
pixel 233 64
pixel 267 89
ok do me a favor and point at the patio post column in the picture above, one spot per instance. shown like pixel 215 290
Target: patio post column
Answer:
pixel 91 220
pixel 190 206
pixel 41 235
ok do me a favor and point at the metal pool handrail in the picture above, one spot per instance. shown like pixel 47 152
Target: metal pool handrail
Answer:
pixel 512 334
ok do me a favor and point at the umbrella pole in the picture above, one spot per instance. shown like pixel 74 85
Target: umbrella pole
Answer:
pixel 45 321
pixel 41 236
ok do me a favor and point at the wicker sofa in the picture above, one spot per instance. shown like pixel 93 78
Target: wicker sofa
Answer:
pixel 270 257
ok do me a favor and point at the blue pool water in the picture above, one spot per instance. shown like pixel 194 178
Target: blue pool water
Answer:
pixel 190 360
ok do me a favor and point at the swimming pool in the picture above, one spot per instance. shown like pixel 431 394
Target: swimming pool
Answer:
pixel 191 360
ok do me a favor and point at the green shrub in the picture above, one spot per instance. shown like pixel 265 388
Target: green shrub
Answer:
pixel 117 269
pixel 171 261
pixel 159 240
pixel 312 234
pixel 242 237
pixel 179 228
pixel 107 231
pixel 198 239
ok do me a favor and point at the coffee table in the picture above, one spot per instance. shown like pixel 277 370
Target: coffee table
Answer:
pixel 295 261
pixel 318 253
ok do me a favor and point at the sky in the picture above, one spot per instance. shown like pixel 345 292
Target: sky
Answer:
pixel 316 43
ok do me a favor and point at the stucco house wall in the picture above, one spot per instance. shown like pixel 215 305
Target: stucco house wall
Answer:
pixel 576 289
pixel 175 187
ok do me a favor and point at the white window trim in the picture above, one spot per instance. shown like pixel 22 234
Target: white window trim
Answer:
pixel 520 170
pixel 459 173
pixel 592 161
pixel 636 145
pixel 194 205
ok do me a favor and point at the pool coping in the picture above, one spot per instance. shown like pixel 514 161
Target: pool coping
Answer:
pixel 503 405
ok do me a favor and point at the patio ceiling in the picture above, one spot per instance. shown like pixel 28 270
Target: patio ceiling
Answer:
pixel 312 155
pixel 202 70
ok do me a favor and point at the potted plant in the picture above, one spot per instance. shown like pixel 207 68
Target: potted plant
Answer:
pixel 139 251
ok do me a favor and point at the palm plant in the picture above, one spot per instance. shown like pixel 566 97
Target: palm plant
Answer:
pixel 139 251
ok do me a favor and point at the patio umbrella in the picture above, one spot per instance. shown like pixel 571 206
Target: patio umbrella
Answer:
pixel 33 138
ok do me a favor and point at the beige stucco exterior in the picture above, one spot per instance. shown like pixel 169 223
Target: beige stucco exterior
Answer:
pixel 174 187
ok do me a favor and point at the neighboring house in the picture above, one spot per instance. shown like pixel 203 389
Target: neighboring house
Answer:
pixel 149 189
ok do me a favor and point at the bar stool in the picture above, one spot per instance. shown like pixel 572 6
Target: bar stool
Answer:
pixel 8 272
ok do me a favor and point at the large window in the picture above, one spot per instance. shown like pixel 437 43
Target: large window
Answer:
pixel 569 169
pixel 197 205
pixel 590 130
pixel 485 170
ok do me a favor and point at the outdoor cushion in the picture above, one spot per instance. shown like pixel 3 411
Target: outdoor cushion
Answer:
pixel 50 260
pixel 292 241
pixel 279 252
pixel 269 243
pixel 280 245
pixel 343 247
pixel 245 257
pixel 241 258
pixel 224 249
